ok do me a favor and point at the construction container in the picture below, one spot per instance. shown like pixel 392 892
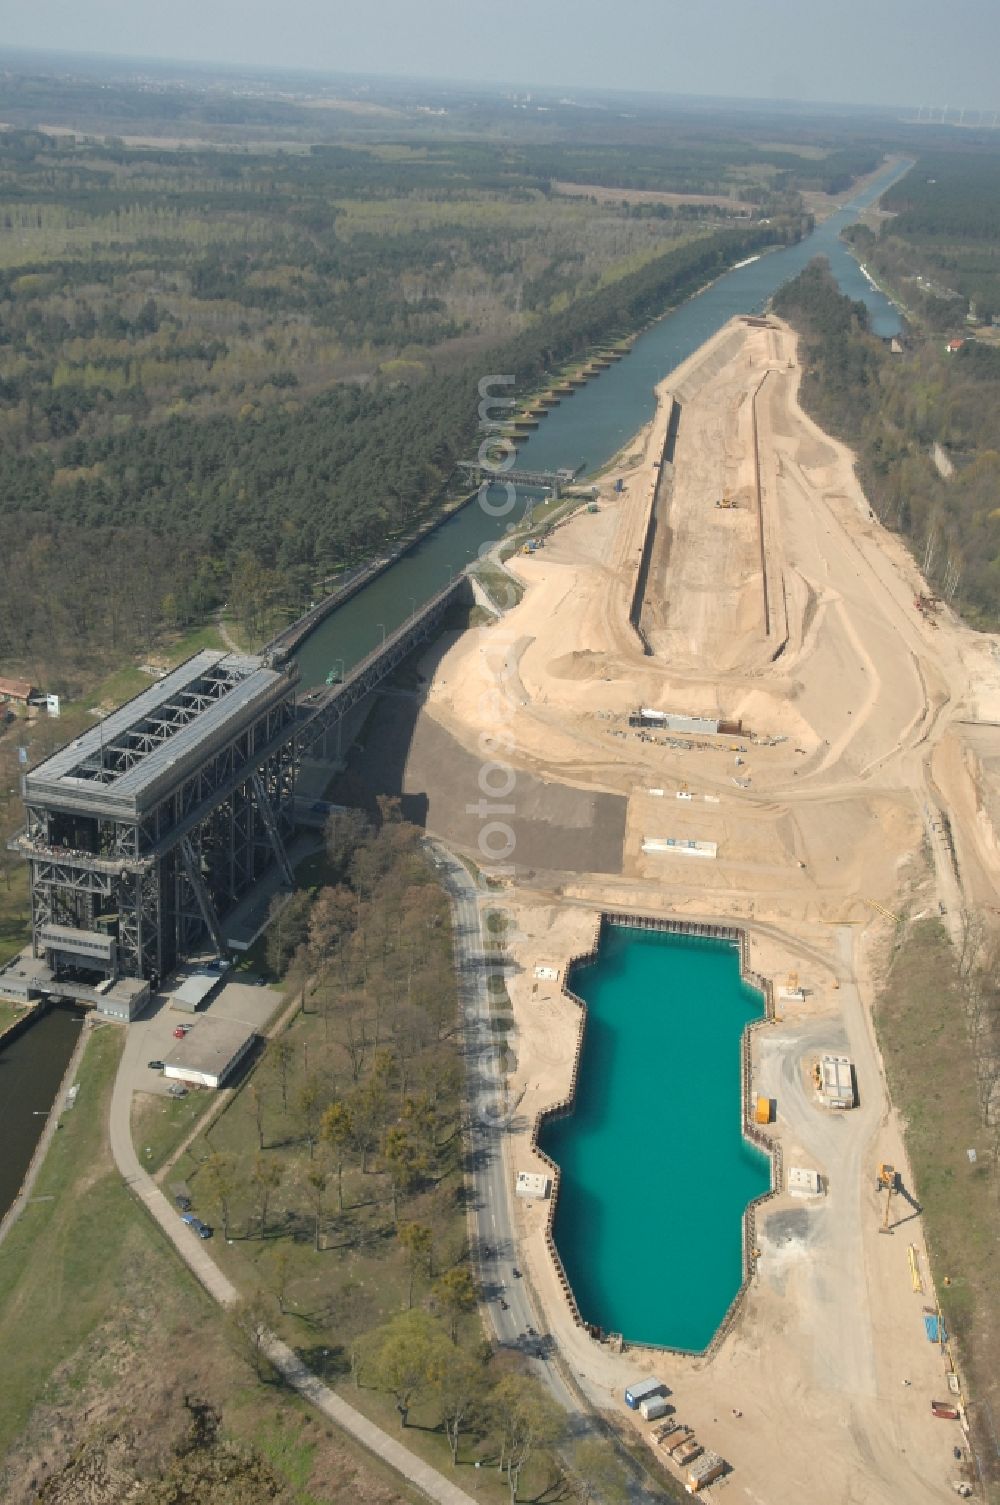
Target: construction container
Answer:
pixel 619 484
pixel 763 1113
pixel 802 1182
pixel 837 1081
pixel 642 1390
pixel 944 1411
pixel 708 1467
pixel 653 1407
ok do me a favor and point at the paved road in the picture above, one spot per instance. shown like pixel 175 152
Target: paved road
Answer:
pixel 492 1173
pixel 197 1257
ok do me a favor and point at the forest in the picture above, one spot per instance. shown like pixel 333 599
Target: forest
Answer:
pixel 269 359
pixel 940 244
pixel 893 409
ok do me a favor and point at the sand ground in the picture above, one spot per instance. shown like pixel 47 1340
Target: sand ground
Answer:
pixel 861 723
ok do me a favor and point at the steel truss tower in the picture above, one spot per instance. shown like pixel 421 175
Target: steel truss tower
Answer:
pixel 149 829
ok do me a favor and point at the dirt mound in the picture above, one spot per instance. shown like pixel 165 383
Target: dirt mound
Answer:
pixel 580 664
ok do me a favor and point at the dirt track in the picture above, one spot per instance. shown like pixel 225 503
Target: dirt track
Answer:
pixel 853 709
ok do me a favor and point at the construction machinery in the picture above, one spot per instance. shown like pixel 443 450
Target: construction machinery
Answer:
pixel 726 501
pixel 887 1180
pixel 927 606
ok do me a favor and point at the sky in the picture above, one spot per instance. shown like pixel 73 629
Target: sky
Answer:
pixel 882 52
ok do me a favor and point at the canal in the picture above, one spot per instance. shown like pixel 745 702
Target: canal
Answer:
pixel 590 428
pixel 31 1068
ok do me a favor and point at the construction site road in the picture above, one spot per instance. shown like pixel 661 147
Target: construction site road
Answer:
pixel 516 1321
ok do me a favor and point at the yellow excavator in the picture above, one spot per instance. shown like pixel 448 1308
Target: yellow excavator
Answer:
pixel 887 1180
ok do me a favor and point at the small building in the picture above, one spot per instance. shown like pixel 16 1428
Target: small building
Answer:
pixel 954 346
pixel 532 1184
pixel 16 691
pixel 27 978
pixel 123 999
pixel 23 978
pixel 209 1052
pixel 804 1183
pixel 678 846
pixel 674 721
pixel 653 1407
pixel 193 985
pixel 642 1390
pixel 837 1081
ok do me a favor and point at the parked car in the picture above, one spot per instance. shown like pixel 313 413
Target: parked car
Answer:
pixel 181 1031
pixel 200 1228
pixel 184 1203
pixel 155 1065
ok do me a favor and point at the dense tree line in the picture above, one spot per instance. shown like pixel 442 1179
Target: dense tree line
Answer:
pixel 270 360
pixel 945 226
pixel 311 484
pixel 893 410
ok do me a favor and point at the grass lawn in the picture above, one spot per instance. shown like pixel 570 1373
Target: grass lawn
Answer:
pixel 160 1123
pixel 123 685
pixel 61 1266
pixel 499 586
pixel 128 681
pixel 923 1034
pixel 194 640
pixel 10 1013
pixel 14 913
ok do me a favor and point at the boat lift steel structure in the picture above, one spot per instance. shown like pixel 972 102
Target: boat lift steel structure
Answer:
pixel 161 863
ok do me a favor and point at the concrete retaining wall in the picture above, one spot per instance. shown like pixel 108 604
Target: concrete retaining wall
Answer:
pixel 656 507
pixel 737 936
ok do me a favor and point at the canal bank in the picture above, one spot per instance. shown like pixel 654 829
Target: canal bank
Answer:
pixel 592 425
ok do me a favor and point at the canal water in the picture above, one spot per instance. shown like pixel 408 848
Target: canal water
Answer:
pixel 656 1172
pixel 31 1068
pixel 588 429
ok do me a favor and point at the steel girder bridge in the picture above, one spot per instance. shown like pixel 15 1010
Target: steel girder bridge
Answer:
pixel 322 712
pixel 484 474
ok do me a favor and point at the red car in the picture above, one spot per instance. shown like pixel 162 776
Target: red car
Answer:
pixel 181 1031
